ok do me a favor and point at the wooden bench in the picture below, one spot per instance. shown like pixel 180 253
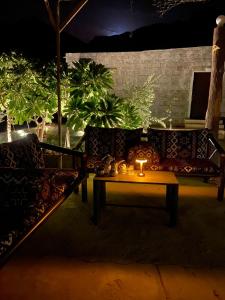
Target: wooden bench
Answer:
pixel 30 192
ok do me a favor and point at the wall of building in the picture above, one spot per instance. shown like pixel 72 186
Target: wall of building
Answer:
pixel 173 69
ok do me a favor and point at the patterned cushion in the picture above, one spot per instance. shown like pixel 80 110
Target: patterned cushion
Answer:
pixel 190 167
pixel 17 218
pixel 54 183
pixel 124 139
pixel 23 153
pixel 17 187
pixel 20 188
pixel 93 162
pixel 144 151
pixel 113 141
pixel 180 144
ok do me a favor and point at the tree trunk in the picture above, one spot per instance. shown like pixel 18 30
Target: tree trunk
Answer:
pixel 9 128
pixel 216 81
pixel 42 130
pixel 67 138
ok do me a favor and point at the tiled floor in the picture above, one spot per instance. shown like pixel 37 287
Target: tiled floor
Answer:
pixel 67 279
pixel 50 276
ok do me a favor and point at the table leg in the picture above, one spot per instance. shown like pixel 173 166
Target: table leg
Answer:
pixel 103 193
pixel 84 190
pixel 172 202
pixel 99 196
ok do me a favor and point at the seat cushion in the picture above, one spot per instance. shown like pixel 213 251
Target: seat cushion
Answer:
pixel 37 193
pixel 189 167
pixel 20 188
pixel 17 187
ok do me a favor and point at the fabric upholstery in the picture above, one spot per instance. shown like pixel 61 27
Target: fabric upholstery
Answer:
pixel 25 199
pixel 113 141
pixel 23 153
pixel 185 152
pixel 28 191
pixel 19 188
pixel 180 144
pixel 144 151
pixel 190 167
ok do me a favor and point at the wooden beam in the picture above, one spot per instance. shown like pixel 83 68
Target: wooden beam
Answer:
pixel 73 13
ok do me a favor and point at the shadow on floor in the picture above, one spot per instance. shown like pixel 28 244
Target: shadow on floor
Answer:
pixel 136 234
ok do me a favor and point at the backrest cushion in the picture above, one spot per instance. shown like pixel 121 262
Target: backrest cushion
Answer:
pixel 114 141
pixel 180 144
pixel 124 139
pixel 22 153
pixel 144 151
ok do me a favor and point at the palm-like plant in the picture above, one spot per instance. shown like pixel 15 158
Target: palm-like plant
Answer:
pixel 107 113
pixel 90 80
pixel 91 101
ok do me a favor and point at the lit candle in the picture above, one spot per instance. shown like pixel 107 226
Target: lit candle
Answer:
pixel 141 162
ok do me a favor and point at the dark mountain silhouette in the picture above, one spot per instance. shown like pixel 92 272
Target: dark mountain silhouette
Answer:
pixel 186 25
pixel 194 27
pixel 159 36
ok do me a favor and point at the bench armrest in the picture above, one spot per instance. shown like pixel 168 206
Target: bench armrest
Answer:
pixel 221 154
pixel 79 158
pixel 218 147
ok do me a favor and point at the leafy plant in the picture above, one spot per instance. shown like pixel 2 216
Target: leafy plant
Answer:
pixel 131 117
pixel 17 79
pixel 143 98
pixel 91 102
pixel 107 112
pixel 28 92
pixel 90 80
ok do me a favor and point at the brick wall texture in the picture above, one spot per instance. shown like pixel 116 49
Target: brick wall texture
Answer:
pixel 173 68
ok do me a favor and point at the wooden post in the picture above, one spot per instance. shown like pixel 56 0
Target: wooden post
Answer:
pixel 216 80
pixel 58 27
pixel 58 72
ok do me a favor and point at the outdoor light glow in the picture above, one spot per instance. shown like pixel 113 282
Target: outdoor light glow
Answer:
pixel 220 20
pixel 141 162
pixel 22 133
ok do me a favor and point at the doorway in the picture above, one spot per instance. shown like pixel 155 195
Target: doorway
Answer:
pixel 200 93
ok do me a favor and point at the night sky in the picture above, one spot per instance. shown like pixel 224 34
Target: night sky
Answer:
pixel 108 25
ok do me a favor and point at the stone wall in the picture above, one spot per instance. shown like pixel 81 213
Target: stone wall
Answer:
pixel 173 68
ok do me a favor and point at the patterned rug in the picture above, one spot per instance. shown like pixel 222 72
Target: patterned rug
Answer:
pixel 136 234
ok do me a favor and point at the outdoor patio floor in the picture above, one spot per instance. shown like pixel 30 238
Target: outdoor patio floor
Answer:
pixel 127 256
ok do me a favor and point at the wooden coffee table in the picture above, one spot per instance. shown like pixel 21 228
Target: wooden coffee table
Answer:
pixel 151 177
